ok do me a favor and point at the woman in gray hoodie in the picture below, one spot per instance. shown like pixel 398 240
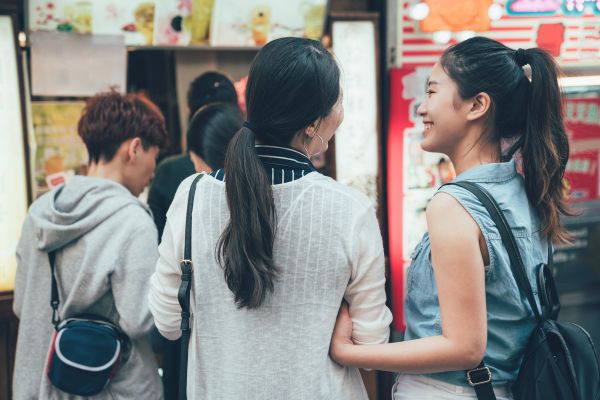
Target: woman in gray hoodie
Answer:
pixel 106 248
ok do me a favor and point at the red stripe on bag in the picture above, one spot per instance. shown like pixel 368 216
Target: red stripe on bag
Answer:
pixel 52 351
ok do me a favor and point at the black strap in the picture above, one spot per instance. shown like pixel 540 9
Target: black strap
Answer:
pixel 54 299
pixel 481 378
pixel 184 292
pixel 516 262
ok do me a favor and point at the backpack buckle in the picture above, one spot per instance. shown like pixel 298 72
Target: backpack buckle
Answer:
pixel 479 376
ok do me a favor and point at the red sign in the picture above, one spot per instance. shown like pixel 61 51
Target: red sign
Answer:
pixel 563 28
pixel 583 125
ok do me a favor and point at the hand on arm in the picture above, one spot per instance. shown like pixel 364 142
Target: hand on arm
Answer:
pixel 460 279
pixel 365 294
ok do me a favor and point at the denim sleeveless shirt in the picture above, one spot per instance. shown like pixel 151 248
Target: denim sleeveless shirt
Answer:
pixel 510 320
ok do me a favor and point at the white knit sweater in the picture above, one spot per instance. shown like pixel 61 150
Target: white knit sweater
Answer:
pixel 328 248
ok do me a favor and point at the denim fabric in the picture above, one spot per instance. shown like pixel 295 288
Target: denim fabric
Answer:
pixel 509 317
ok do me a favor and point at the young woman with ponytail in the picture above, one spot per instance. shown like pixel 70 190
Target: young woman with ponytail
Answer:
pixel 276 246
pixel 462 303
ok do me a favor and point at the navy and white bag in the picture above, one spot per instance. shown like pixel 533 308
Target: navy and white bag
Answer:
pixel 86 350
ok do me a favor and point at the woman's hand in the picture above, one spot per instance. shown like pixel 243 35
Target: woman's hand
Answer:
pixel 342 334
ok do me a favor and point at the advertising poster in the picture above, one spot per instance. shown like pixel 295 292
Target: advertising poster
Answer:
pixel 61 15
pixel 132 18
pixel 60 153
pixel 13 175
pixel 256 22
pixel 182 22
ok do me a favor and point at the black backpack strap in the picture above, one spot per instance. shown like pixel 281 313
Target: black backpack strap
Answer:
pixel 184 291
pixel 516 261
pixel 54 299
pixel 481 377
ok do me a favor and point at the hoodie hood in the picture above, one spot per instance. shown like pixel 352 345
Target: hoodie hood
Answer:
pixel 72 210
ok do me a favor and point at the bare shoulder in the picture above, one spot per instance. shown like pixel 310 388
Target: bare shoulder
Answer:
pixel 447 216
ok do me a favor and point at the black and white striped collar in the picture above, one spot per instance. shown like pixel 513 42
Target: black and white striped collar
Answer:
pixel 282 164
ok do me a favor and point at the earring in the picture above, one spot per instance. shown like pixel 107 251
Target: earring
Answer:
pixel 320 149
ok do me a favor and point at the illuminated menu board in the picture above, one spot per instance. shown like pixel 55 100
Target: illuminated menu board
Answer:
pixel 13 178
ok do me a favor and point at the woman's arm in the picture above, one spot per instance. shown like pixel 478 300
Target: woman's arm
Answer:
pixel 365 293
pixel 164 285
pixel 165 282
pixel 460 279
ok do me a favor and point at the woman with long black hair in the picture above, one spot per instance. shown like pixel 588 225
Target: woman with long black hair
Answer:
pixel 276 246
pixel 463 304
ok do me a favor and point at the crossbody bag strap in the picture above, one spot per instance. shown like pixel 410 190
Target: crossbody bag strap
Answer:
pixel 54 299
pixel 183 295
pixel 481 377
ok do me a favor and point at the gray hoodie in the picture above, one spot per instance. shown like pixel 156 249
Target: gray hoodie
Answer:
pixel 107 245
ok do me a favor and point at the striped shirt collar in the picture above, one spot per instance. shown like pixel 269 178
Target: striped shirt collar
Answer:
pixel 282 164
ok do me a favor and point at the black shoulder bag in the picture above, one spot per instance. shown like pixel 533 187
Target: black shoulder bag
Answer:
pixel 184 292
pixel 560 361
pixel 86 350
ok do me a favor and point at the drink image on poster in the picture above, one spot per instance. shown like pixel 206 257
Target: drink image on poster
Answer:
pixel 61 15
pixel 182 22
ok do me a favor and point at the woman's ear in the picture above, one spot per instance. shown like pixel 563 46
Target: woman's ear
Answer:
pixel 311 130
pixel 480 105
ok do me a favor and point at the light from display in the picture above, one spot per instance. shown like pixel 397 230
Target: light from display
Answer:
pixel 13 178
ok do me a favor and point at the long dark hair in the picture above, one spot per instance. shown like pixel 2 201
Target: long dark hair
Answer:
pixel 528 112
pixel 292 83
pixel 210 131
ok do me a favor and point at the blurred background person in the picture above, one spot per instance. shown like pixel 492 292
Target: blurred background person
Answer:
pixel 210 87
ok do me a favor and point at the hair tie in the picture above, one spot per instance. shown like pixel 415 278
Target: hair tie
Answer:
pixel 249 125
pixel 520 57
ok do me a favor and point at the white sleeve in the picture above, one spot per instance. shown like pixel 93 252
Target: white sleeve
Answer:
pixel 165 282
pixel 365 293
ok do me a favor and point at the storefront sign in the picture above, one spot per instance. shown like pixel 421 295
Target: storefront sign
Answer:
pixel 569 33
pixel 551 7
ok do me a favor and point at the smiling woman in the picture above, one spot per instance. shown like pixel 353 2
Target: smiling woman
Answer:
pixel 462 303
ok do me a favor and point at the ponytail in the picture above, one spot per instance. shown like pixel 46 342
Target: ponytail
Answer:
pixel 245 248
pixel 527 113
pixel 545 145
pixel 285 73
